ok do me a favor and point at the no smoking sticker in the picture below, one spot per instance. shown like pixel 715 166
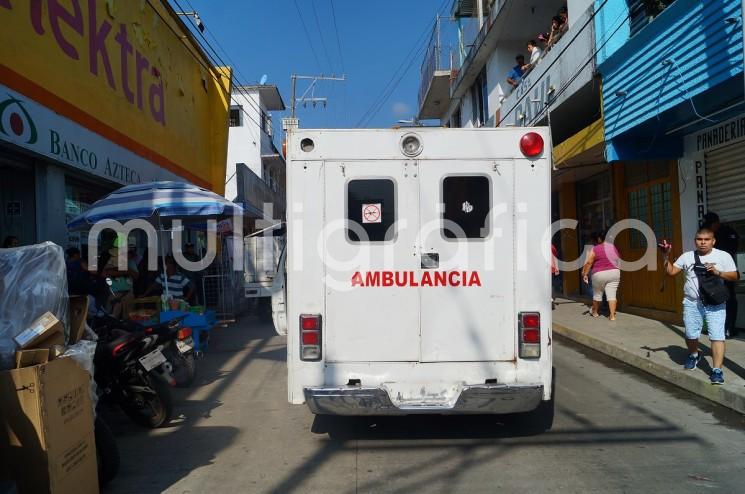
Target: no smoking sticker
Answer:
pixel 371 213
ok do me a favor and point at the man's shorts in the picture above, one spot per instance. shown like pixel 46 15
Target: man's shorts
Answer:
pixel 694 314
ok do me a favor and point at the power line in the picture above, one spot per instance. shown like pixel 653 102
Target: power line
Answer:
pixel 388 89
pixel 558 57
pixel 217 42
pixel 307 34
pixel 320 34
pixel 406 64
pixel 338 42
pixel 232 65
pixel 209 69
pixel 239 86
pixel 419 53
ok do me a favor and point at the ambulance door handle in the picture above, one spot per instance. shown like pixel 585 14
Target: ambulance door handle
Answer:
pixel 430 260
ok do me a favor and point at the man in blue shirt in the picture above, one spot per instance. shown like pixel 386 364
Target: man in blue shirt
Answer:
pixel 514 76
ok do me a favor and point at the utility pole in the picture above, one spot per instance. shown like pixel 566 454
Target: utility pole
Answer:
pixel 311 89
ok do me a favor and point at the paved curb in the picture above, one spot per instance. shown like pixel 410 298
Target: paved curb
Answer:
pixel 722 395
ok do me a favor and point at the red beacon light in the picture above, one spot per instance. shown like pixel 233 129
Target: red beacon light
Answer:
pixel 531 144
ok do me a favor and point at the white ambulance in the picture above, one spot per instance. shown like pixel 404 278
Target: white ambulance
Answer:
pixel 418 272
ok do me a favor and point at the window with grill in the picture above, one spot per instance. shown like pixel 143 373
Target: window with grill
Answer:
pixel 653 205
pixel 234 116
pixel 662 210
pixel 642 12
pixel 638 210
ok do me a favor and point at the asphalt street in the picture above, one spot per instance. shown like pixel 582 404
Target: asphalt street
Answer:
pixel 616 430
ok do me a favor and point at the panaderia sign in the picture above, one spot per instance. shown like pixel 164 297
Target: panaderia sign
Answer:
pixel 125 70
pixel 25 123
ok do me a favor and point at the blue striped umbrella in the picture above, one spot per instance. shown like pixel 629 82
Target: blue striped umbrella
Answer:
pixel 157 202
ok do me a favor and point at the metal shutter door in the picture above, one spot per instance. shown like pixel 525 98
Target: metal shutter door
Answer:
pixel 725 181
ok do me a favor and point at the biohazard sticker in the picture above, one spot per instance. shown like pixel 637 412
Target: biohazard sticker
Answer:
pixel 372 213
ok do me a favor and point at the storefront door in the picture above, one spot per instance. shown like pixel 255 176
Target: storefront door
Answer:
pixel 649 195
pixel 17 199
pixel 594 211
pixel 725 183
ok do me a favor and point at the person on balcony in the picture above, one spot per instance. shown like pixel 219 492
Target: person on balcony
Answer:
pixel 516 74
pixel 564 16
pixel 543 40
pixel 535 55
pixel 557 31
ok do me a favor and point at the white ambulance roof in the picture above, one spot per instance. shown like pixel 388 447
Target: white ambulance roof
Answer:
pixel 437 143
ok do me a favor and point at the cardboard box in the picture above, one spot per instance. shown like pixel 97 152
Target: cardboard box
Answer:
pixel 44 332
pixel 27 358
pixel 46 428
pixel 78 315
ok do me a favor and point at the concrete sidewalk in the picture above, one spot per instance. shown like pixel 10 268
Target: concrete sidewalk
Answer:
pixel 654 347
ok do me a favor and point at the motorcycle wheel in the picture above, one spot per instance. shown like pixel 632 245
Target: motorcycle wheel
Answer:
pixel 184 367
pixel 151 409
pixel 107 452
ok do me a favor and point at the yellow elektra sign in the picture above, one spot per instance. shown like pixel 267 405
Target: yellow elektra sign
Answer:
pixel 127 70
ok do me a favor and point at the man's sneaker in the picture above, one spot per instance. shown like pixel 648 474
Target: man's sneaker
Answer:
pixel 692 362
pixel 716 377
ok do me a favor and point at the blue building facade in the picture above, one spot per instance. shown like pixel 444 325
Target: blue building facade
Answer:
pixel 665 77
pixel 673 104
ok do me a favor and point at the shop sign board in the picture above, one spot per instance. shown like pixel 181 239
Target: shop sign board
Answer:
pixel 128 71
pixel 692 170
pixel 26 123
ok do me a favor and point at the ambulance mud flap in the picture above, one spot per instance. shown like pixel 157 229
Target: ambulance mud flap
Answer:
pixel 479 399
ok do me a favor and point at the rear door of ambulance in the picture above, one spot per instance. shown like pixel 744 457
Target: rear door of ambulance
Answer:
pixel 371 219
pixel 443 229
pixel 466 213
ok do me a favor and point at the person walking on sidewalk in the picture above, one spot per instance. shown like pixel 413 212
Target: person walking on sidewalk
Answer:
pixel 603 262
pixel 704 268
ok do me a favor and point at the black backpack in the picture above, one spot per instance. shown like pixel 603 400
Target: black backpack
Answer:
pixel 711 288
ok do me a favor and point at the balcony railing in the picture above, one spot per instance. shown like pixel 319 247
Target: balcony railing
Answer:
pixel 565 68
pixel 642 12
pixel 438 57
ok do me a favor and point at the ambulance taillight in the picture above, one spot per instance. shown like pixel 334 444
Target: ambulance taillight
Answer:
pixel 529 329
pixel 310 337
pixel 531 144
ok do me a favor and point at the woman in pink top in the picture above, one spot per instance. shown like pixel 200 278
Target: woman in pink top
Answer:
pixel 603 261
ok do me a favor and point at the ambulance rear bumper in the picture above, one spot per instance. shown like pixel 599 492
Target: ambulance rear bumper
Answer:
pixel 473 399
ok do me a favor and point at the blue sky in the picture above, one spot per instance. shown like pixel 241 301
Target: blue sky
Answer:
pixel 268 37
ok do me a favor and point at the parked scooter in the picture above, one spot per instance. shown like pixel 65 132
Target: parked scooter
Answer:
pixel 180 353
pixel 175 342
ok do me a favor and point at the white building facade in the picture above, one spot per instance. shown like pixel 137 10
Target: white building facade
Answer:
pixel 255 171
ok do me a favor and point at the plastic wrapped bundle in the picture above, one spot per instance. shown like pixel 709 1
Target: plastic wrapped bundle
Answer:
pixel 83 352
pixel 33 280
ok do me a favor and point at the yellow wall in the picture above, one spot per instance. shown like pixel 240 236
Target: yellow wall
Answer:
pixel 178 116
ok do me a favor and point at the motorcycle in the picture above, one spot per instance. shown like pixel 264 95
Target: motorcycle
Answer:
pixel 180 353
pixel 175 342
pixel 177 346
pixel 125 371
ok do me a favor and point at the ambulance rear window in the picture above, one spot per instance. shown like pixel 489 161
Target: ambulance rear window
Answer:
pixel 371 210
pixel 467 203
